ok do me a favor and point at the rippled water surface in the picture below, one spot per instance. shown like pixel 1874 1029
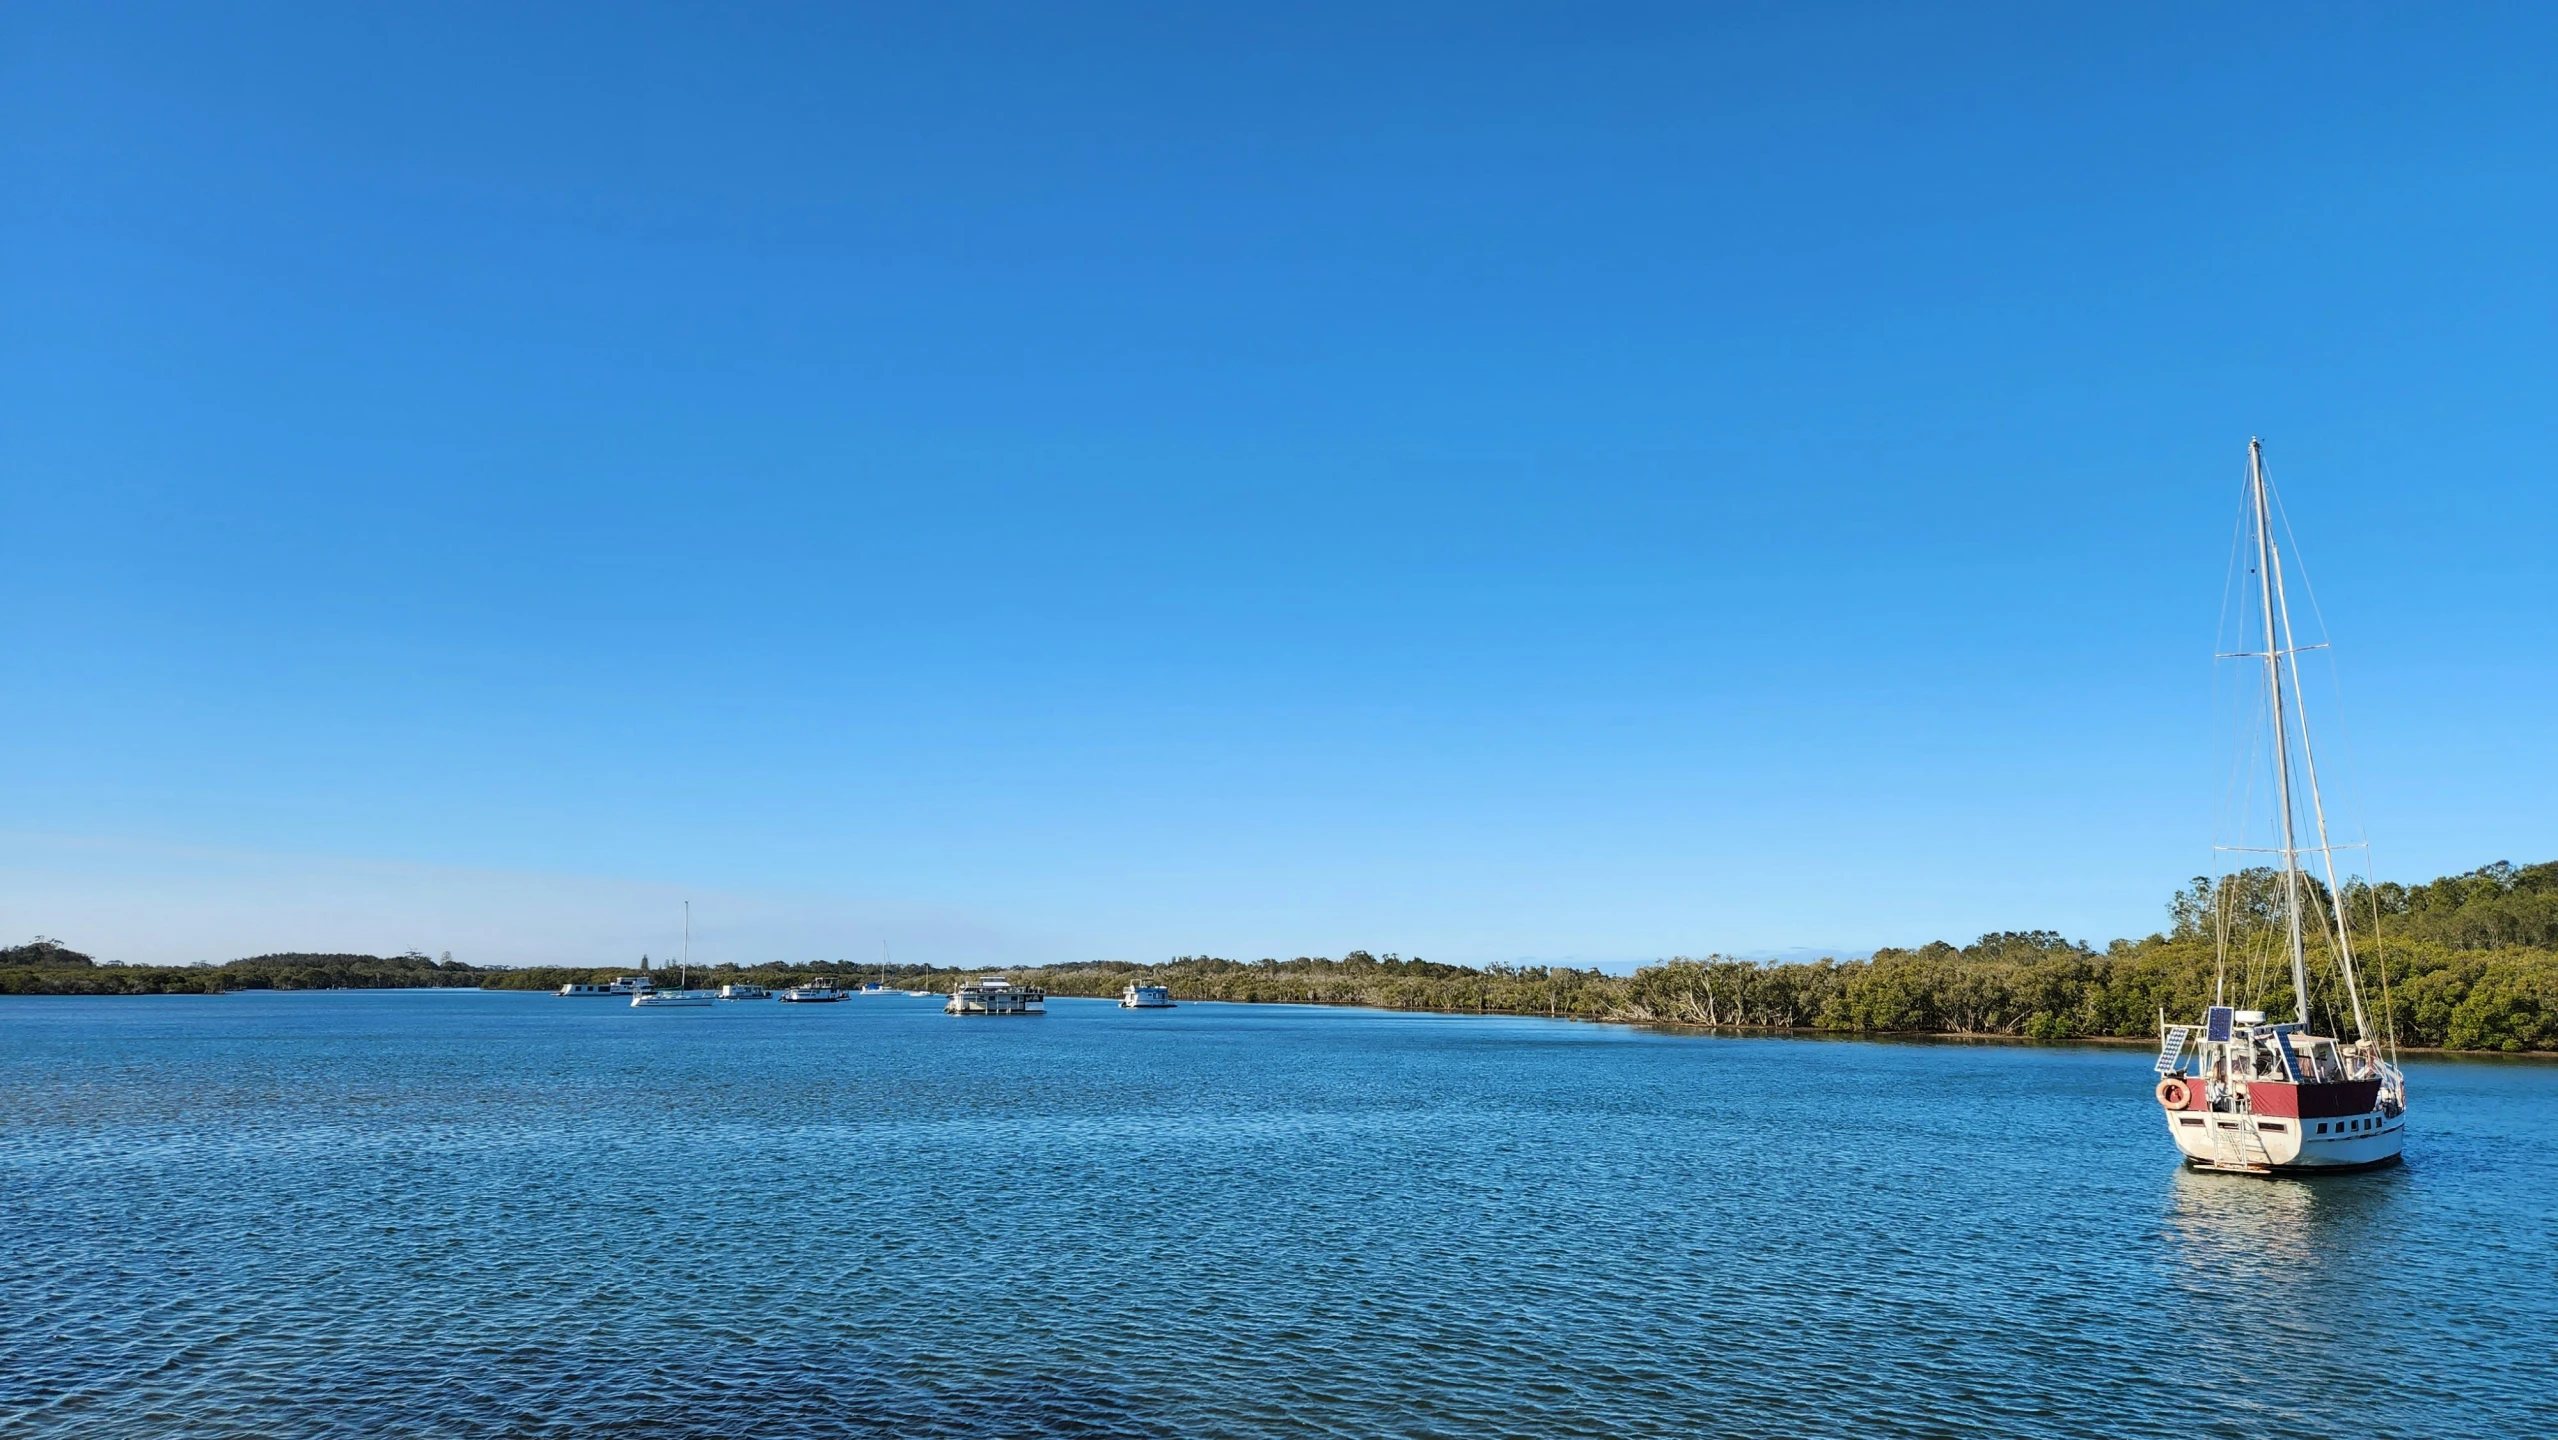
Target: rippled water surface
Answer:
pixel 466 1214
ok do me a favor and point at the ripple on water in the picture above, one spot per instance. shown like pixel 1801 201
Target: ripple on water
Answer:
pixel 496 1215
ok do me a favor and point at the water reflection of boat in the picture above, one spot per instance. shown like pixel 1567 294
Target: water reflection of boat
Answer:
pixel 2278 1098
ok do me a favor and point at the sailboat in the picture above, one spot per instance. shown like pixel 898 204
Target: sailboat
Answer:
pixel 684 996
pixel 2239 1092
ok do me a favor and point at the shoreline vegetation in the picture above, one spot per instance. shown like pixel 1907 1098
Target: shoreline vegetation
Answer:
pixel 2470 964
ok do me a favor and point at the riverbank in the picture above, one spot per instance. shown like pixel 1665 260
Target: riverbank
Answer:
pixel 209 981
pixel 2467 964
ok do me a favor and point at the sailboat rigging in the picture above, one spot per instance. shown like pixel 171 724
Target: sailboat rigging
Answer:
pixel 2281 1098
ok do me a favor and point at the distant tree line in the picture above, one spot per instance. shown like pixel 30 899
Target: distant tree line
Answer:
pixel 2466 962
pixel 773 975
pixel 48 967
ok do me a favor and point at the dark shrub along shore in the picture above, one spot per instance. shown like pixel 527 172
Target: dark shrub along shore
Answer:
pixel 2468 962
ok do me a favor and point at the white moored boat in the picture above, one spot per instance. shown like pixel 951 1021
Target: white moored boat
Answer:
pixel 1145 997
pixel 744 992
pixel 684 996
pixel 814 993
pixel 2236 1092
pixel 597 989
pixel 995 995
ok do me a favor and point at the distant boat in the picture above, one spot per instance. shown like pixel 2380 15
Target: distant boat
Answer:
pixel 620 985
pixel 995 995
pixel 875 988
pixel 1145 997
pixel 815 993
pixel 744 992
pixel 2279 1098
pixel 672 999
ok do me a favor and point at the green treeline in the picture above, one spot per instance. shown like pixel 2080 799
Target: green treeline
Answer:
pixel 48 967
pixel 2467 962
pixel 711 977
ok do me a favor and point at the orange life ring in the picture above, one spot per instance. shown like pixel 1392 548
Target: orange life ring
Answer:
pixel 2173 1094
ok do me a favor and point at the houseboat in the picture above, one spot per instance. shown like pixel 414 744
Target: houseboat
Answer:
pixel 621 985
pixel 672 1000
pixel 995 995
pixel 816 992
pixel 1145 997
pixel 744 992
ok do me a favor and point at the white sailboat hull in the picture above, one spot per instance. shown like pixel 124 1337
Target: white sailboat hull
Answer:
pixel 2256 1144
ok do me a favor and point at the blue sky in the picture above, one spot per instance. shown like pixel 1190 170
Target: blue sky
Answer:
pixel 1027 483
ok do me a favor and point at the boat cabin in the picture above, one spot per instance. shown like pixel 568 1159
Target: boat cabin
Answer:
pixel 2262 1097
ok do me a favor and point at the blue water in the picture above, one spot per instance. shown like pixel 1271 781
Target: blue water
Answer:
pixel 465 1214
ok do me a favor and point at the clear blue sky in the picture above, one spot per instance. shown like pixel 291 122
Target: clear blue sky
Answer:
pixel 1052 482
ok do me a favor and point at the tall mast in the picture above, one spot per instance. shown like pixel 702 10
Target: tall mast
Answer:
pixel 2343 931
pixel 2265 561
pixel 688 940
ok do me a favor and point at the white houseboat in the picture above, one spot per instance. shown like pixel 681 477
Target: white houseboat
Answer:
pixel 620 985
pixel 2282 1098
pixel 1146 997
pixel 995 995
pixel 744 992
pixel 672 999
pixel 816 992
